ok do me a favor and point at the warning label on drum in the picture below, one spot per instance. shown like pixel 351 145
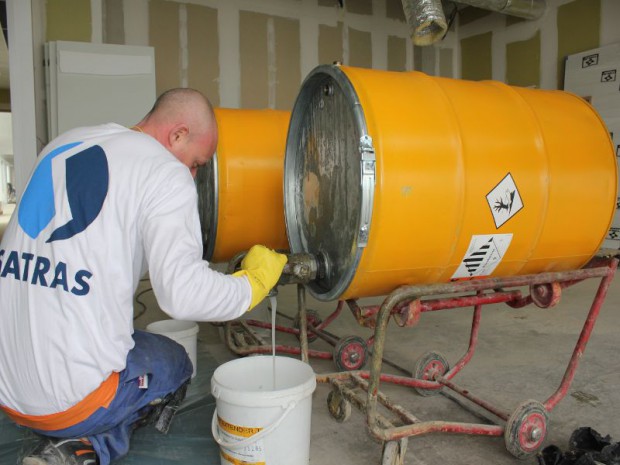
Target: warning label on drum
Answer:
pixel 483 255
pixel 252 454
pixel 504 200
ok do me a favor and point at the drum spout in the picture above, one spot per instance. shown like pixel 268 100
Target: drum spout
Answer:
pixel 303 268
pixel 300 268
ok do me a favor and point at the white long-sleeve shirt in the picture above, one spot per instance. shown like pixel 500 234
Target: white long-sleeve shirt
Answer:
pixel 103 205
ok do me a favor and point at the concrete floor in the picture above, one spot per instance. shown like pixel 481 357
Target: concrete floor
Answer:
pixel 522 354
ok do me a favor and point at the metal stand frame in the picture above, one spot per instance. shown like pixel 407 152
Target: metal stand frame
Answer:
pixel 349 353
pixel 524 429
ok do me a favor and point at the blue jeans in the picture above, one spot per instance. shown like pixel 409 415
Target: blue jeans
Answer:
pixel 109 429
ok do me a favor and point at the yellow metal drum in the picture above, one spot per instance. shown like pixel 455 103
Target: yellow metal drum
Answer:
pixel 401 178
pixel 240 190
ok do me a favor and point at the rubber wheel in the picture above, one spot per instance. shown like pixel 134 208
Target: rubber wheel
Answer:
pixel 339 408
pixel 350 353
pixel 526 429
pixel 427 367
pixel 313 318
pixel 392 454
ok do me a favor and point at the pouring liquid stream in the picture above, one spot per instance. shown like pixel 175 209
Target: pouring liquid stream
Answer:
pixel 274 306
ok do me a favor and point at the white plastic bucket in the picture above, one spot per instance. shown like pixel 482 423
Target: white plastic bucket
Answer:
pixel 255 424
pixel 183 332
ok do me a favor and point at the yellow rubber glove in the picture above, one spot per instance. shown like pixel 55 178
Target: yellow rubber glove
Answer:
pixel 263 268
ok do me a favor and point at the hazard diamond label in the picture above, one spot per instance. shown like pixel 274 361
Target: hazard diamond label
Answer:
pixel 483 255
pixel 504 200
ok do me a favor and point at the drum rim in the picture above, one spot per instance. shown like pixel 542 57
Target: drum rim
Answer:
pixel 211 216
pixel 366 188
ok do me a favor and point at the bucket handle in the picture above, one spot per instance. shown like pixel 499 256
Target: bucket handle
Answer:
pixel 252 439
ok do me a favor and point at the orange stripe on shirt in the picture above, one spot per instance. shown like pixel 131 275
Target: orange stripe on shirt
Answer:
pixel 100 397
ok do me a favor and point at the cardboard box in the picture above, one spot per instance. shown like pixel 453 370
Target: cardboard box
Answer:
pixel 594 72
pixel 594 58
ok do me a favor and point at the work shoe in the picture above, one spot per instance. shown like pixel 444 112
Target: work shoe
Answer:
pixel 63 452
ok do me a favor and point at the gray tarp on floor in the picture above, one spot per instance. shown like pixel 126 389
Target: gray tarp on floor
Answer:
pixel 188 441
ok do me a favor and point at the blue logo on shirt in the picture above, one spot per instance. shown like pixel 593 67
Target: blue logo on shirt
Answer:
pixel 87 180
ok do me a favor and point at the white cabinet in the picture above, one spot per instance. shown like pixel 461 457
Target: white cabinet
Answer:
pixel 89 84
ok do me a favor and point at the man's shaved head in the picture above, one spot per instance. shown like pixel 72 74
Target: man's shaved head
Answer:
pixel 182 105
pixel 183 121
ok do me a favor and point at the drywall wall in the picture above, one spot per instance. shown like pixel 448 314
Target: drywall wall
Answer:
pixel 532 53
pixel 244 53
pixel 212 44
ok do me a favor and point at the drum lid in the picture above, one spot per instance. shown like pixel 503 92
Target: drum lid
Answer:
pixel 208 197
pixel 329 177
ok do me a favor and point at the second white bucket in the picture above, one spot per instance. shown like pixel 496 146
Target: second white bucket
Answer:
pixel 254 423
pixel 183 332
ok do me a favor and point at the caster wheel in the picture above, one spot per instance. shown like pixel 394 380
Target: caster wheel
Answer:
pixel 394 453
pixel 427 367
pixel 526 429
pixel 546 295
pixel 313 318
pixel 339 408
pixel 350 353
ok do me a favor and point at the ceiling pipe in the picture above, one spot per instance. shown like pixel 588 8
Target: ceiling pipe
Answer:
pixel 427 21
pixel 528 9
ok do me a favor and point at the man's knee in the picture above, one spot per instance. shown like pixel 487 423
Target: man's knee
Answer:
pixel 167 358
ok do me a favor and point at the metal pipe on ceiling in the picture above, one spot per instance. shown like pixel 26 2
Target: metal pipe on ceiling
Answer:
pixel 528 9
pixel 427 21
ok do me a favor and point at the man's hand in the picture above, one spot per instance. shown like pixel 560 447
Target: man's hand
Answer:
pixel 263 268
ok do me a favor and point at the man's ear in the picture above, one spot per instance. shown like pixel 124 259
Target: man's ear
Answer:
pixel 178 134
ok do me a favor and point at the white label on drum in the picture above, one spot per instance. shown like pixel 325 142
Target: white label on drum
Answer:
pixel 504 200
pixel 483 255
pixel 253 454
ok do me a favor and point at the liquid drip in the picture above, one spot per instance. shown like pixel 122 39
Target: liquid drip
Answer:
pixel 274 305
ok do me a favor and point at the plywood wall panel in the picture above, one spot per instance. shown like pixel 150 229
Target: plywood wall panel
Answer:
pixel 288 71
pixel 360 48
pixel 397 54
pixel 164 37
pixel 579 29
pixel 476 58
pixel 362 7
pixel 330 44
pixel 68 20
pixel 254 71
pixel 394 10
pixel 523 62
pixel 203 51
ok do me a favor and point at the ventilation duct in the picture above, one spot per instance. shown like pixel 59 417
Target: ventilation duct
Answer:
pixel 427 21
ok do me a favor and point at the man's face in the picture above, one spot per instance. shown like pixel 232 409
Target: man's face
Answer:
pixel 196 150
